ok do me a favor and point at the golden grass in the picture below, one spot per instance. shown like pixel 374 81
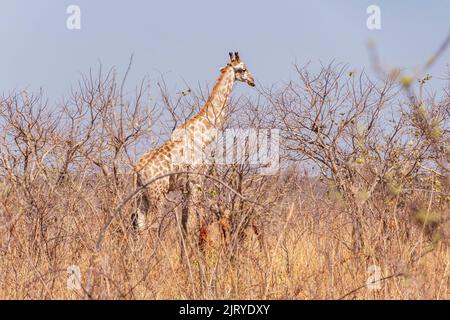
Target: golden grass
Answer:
pixel 306 257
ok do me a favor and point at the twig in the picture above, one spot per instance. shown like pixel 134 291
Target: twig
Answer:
pixel 365 285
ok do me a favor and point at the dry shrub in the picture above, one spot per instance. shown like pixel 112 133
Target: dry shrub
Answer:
pixel 379 196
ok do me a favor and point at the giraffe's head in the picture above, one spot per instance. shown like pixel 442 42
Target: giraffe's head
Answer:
pixel 241 72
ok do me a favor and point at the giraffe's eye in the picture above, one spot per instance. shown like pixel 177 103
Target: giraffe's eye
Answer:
pixel 244 70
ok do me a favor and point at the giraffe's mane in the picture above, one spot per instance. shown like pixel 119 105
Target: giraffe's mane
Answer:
pixel 208 102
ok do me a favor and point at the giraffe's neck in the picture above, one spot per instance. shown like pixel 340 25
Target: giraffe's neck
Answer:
pixel 215 109
pixel 189 140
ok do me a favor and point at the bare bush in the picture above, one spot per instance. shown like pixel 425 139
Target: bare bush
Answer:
pixel 379 195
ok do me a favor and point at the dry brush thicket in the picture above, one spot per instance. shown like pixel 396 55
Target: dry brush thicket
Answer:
pixel 377 194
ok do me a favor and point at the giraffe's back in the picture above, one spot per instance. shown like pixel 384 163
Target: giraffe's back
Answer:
pixel 155 163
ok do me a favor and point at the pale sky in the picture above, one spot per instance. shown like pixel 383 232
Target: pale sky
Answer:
pixel 189 40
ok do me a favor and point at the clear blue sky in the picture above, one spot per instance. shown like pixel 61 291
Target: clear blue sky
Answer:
pixel 190 39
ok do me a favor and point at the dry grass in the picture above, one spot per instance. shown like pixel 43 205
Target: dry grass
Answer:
pixel 308 255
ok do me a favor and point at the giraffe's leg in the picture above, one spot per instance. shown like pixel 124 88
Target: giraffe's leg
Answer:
pixel 184 222
pixel 226 230
pixel 196 201
pixel 184 216
pixel 259 235
pixel 192 203
pixel 139 215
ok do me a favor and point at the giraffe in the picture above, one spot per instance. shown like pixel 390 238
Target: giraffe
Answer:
pixel 201 130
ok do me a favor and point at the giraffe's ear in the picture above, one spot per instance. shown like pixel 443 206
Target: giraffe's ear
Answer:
pixel 231 56
pixel 236 57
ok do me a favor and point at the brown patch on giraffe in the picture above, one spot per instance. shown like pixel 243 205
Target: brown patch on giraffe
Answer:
pixel 165 149
pixel 165 162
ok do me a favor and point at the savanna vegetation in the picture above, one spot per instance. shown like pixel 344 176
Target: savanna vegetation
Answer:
pixel 362 191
